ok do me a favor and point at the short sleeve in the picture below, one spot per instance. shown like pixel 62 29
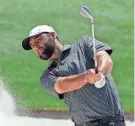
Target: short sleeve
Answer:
pixel 47 80
pixel 100 46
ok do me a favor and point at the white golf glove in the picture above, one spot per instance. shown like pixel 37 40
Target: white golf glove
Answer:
pixel 101 82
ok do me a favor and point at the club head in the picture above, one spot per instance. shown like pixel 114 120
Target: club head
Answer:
pixel 86 12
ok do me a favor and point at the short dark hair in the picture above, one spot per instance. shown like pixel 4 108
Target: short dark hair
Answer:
pixel 48 34
pixel 38 35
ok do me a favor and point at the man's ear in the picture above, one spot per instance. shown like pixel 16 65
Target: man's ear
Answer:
pixel 53 35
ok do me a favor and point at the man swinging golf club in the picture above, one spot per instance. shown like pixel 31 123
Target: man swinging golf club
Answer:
pixel 71 77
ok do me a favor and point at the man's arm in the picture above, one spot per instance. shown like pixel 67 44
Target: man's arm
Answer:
pixel 103 52
pixel 74 82
pixel 105 63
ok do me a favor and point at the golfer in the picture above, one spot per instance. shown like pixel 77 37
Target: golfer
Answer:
pixel 70 76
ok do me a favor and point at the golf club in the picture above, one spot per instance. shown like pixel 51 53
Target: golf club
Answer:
pixel 85 12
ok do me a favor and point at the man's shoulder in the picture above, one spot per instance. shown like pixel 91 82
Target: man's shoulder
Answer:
pixel 51 64
pixel 86 37
pixel 43 74
pixel 82 40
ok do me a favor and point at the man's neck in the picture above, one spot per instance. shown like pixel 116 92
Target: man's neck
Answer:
pixel 57 53
pixel 59 45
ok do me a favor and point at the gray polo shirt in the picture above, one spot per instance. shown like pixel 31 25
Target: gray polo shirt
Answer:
pixel 88 103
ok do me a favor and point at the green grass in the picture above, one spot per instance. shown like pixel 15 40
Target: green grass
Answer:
pixel 21 69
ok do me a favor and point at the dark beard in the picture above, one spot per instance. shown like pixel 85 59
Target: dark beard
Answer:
pixel 48 50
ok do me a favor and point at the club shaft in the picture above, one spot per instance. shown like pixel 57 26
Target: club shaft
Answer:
pixel 93 41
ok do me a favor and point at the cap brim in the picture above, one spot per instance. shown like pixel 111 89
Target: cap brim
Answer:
pixel 25 44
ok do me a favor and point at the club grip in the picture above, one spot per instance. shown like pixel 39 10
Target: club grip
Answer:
pixel 96 70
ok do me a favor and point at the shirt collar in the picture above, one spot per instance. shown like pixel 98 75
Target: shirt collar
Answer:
pixel 66 47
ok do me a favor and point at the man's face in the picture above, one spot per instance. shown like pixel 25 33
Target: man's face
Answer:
pixel 43 46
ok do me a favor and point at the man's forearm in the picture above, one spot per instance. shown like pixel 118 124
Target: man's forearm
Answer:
pixel 105 63
pixel 70 83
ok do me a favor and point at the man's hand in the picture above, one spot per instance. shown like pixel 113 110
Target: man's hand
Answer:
pixel 92 77
pixel 105 63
